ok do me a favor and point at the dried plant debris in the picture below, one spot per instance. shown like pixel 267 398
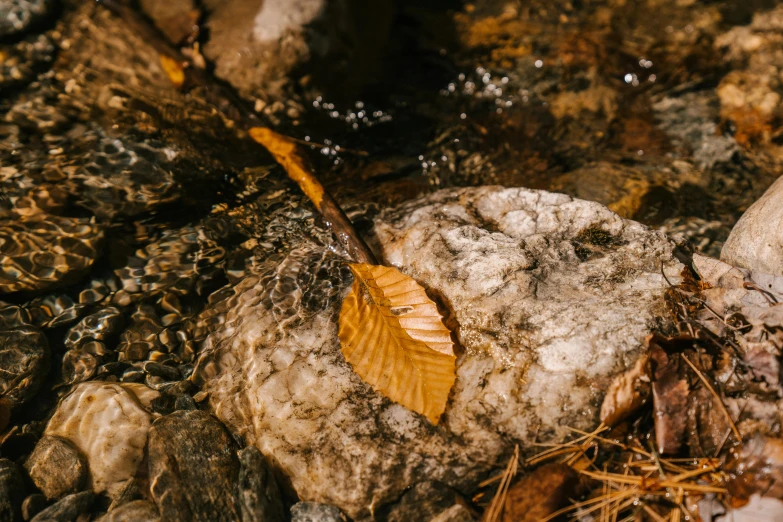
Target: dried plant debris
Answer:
pixel 627 393
pixel 707 445
pixel 545 491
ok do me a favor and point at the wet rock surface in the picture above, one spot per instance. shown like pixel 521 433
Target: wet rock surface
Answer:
pixel 193 468
pixel 12 491
pixel 109 424
pixel 259 493
pixel 24 358
pixel 544 289
pixel 57 467
pixel 67 508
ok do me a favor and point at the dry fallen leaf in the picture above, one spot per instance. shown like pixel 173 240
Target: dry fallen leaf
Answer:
pixel 174 70
pixel 628 392
pixel 540 494
pixel 394 337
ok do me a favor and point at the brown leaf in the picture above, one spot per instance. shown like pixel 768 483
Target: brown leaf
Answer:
pixel 627 393
pixel 394 337
pixel 541 493
pixel 174 70
pixel 670 397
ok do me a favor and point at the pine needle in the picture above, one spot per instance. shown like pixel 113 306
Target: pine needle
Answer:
pixel 495 509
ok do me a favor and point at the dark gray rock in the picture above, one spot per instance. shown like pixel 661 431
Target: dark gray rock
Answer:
pixel 424 501
pixel 57 467
pixel 136 511
pixel 67 508
pixel 24 359
pixel 193 468
pixel 33 505
pixel 11 491
pixel 258 492
pixel 316 512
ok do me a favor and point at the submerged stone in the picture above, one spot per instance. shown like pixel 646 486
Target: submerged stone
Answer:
pixel 550 297
pixel 109 423
pixel 24 359
pixel 193 468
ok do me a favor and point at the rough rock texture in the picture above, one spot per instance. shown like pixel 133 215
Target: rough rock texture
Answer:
pixel 24 358
pixel 315 512
pixel 109 423
pixel 11 491
pixel 193 468
pixel 259 494
pixel 136 511
pixel 549 296
pixel 67 508
pixel 257 44
pixel 756 241
pixel 424 501
pixel 57 467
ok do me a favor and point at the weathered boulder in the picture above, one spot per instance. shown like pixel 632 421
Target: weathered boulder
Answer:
pixel 109 423
pixel 756 241
pixel 549 296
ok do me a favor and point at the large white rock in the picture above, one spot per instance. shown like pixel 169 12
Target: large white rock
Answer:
pixel 109 423
pixel 550 297
pixel 756 241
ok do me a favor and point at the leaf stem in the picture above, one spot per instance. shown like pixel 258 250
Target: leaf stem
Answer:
pixel 283 149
